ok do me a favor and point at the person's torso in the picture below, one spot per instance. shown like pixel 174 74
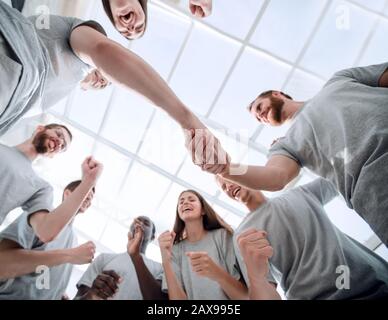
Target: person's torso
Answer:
pixel 195 286
pixel 129 288
pixel 65 70
pixel 310 253
pixel 18 182
pixel 345 131
pixel 46 283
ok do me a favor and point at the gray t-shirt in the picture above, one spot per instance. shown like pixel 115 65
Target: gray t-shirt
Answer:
pixel 20 186
pixel 219 246
pixel 342 135
pixel 122 264
pixel 32 286
pixel 45 67
pixel 65 70
pixel 308 248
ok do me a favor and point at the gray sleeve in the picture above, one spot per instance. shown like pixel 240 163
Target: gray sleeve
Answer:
pixel 175 260
pixel 90 23
pixel 21 232
pixel 42 200
pixel 322 189
pixel 369 75
pixel 282 148
pixel 94 269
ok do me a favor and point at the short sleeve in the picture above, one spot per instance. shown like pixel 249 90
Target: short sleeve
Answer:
pixel 322 189
pixel 94 269
pixel 21 232
pixel 369 75
pixel 90 23
pixel 42 200
pixel 175 260
pixel 281 149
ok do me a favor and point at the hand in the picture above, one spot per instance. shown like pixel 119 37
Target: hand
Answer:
pixel 91 170
pixel 203 265
pixel 134 242
pixel 105 286
pixel 206 151
pixel 83 254
pixel 166 241
pixel 201 8
pixel 256 251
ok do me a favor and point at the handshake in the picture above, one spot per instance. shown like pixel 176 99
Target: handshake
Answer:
pixel 206 151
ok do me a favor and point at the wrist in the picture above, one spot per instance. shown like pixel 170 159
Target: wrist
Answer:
pixel 135 256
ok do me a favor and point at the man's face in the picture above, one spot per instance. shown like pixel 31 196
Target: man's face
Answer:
pixel 87 202
pixel 147 226
pixel 94 81
pixel 268 110
pixel 233 191
pixel 49 142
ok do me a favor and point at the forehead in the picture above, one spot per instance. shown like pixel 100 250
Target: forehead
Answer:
pixel 188 194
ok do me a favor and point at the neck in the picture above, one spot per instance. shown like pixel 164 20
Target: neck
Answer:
pixel 28 149
pixel 291 108
pixel 195 230
pixel 255 200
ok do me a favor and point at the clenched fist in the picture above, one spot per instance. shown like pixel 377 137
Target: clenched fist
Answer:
pixel 91 170
pixel 256 252
pixel 166 241
pixel 83 254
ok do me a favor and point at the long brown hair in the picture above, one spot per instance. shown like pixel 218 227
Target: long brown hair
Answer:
pixel 108 11
pixel 211 220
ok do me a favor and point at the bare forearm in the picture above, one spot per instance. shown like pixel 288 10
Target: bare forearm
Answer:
pixel 48 226
pixel 20 262
pixel 233 288
pixel 175 291
pixel 258 178
pixel 262 290
pixel 384 80
pixel 150 288
pixel 134 73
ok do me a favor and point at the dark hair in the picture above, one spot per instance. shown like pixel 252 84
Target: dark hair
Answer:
pixel 153 226
pixel 211 220
pixel 108 11
pixel 72 186
pixel 56 126
pixel 267 94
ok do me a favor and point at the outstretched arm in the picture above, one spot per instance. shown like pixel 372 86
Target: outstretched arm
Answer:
pixel 47 226
pixel 126 68
pixel 17 262
pixel 274 176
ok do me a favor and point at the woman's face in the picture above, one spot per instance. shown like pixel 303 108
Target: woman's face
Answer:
pixel 129 18
pixel 189 207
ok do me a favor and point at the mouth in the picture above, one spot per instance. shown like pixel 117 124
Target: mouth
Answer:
pixel 52 145
pixel 185 210
pixel 236 192
pixel 129 17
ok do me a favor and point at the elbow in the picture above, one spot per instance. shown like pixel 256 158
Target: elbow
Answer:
pixel 45 236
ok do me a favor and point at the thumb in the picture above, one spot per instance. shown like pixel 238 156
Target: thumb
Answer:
pixel 173 234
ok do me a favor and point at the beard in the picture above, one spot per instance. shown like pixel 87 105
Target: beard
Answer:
pixel 277 109
pixel 39 143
